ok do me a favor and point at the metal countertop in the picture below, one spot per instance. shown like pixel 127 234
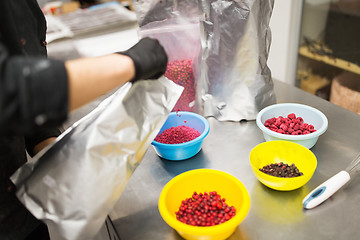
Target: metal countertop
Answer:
pixel 273 214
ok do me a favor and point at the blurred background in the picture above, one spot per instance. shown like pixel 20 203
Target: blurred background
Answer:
pixel 315 43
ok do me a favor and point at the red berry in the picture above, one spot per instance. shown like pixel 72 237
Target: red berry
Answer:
pixel 176 135
pixel 181 72
pixel 291 125
pixel 206 209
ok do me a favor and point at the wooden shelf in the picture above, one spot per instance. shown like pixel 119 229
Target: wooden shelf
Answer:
pixel 337 62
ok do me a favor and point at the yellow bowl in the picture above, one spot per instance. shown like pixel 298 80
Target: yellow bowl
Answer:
pixel 204 180
pixel 288 153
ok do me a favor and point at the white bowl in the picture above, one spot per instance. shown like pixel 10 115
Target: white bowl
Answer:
pixel 309 114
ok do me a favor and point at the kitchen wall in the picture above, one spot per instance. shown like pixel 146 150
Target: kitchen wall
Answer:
pixel 285 24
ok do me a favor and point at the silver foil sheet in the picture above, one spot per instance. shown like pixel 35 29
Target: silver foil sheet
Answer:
pixel 73 184
pixel 235 79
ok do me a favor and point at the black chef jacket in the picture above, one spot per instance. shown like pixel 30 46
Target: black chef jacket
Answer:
pixel 33 101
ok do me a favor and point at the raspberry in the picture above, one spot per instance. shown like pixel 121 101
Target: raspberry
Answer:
pixel 291 125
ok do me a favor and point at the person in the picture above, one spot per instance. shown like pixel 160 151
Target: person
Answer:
pixel 37 93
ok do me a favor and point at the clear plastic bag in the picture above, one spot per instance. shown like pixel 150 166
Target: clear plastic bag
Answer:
pixel 179 32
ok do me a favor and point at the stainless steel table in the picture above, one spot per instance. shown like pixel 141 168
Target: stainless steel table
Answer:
pixel 273 214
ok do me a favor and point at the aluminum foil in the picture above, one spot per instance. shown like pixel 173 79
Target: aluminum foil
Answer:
pixel 74 184
pixel 235 82
pixel 235 79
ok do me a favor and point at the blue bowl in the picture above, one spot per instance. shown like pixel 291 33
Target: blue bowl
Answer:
pixel 185 150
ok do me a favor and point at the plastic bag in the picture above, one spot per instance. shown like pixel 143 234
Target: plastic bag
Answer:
pixel 177 27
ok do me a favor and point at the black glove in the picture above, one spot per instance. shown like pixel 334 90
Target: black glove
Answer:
pixel 149 58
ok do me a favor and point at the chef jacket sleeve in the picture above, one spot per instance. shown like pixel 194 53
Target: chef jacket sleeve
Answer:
pixel 33 93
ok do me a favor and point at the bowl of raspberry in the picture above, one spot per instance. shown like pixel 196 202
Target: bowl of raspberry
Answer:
pixel 204 204
pixel 182 135
pixel 292 122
